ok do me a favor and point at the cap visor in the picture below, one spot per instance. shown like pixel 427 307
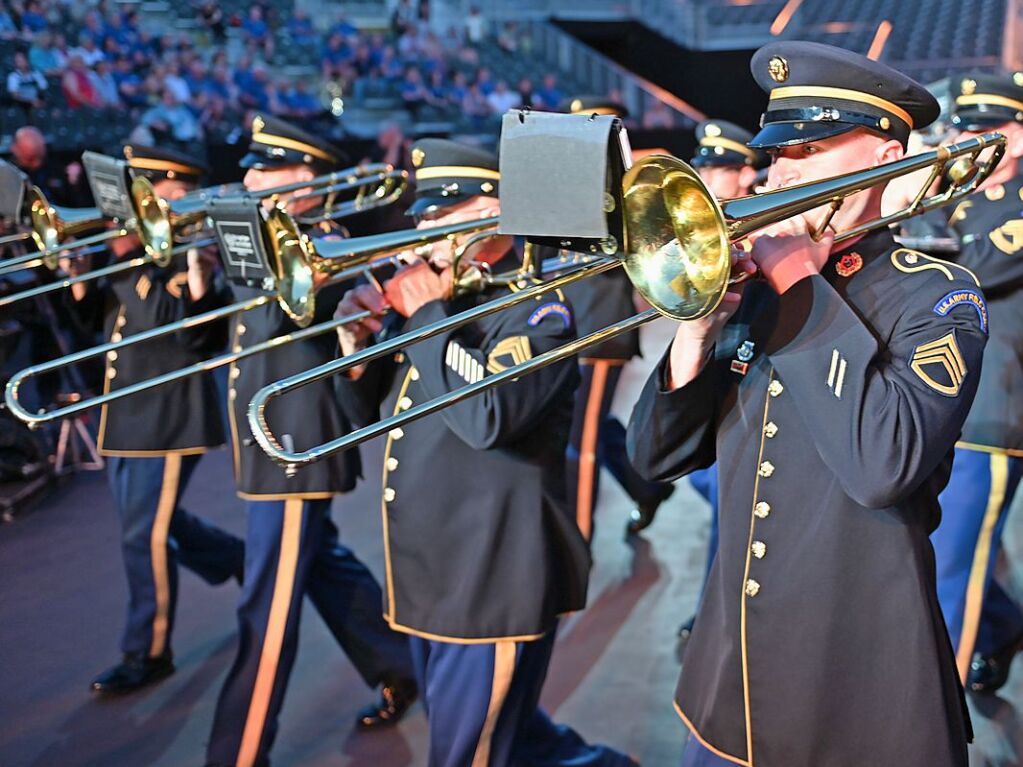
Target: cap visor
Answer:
pixel 792 133
pixel 425 204
pixel 978 121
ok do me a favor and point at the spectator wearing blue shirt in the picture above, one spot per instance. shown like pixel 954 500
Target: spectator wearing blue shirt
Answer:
pixel 485 81
pixel 300 29
pixel 413 93
pixel 105 84
pixel 32 18
pixel 548 96
pixel 334 56
pixel 130 85
pixel 253 94
pixel 343 27
pixel 299 103
pixel 42 56
pixel 173 122
pixel 257 32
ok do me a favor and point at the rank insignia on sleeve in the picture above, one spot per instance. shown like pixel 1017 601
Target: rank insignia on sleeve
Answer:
pixel 1008 238
pixel 940 365
pixel 849 264
pixel 514 349
pixel 555 309
pixel 972 298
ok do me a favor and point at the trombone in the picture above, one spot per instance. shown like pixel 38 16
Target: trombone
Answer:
pixel 160 223
pixel 677 254
pixel 369 254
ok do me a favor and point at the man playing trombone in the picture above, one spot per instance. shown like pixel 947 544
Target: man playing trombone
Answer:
pixel 831 395
pixel 292 546
pixel 154 440
pixel 482 552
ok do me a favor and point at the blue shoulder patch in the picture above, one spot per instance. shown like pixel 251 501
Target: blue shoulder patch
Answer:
pixel 950 301
pixel 554 308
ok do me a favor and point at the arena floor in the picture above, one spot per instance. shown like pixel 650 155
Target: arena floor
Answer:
pixel 63 596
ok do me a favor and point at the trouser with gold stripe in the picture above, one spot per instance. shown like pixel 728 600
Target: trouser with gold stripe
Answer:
pixel 157 536
pixel 974 506
pixel 291 551
pixel 482 705
pixel 598 440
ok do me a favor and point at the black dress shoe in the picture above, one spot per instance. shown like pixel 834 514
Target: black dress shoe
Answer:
pixel 133 673
pixel 642 516
pixel 396 697
pixel 989 672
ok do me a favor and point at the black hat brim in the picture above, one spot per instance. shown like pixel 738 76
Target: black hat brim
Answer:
pixel 425 204
pixel 260 162
pixel 974 120
pixel 780 134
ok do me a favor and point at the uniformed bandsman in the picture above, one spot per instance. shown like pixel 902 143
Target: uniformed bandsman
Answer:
pixel 831 395
pixel 597 438
pixel 729 169
pixel 985 624
pixel 153 440
pixel 292 546
pixel 482 554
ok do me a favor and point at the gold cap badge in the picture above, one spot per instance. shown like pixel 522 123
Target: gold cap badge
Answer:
pixel 968 86
pixel 778 69
pixel 418 155
pixel 712 129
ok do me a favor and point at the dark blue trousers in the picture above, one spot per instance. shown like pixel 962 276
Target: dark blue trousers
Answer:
pixel 482 705
pixel 698 755
pixel 292 550
pixel 980 616
pixel 598 440
pixel 156 536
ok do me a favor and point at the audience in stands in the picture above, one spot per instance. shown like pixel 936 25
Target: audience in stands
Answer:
pixel 25 85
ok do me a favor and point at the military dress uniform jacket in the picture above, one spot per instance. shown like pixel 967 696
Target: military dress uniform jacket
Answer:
pixel 832 411
pixel 181 417
pixel 300 420
pixel 479 542
pixel 990 226
pixel 599 301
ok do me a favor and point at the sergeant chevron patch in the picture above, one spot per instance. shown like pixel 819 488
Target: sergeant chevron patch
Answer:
pixel 515 348
pixel 940 365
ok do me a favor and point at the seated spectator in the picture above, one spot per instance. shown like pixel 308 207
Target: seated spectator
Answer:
pixel 485 81
pixel 220 87
pixel 526 96
pixel 174 82
pixel 172 121
pixel 413 92
pixel 105 85
pixel 118 31
pixel 299 103
pixel 409 44
pixel 130 86
pixel 457 90
pixel 253 93
pixel 508 37
pixel 8 29
pixel 300 28
pixel 475 26
pixel 77 85
pixel 343 27
pixel 334 56
pixel 362 62
pixel 25 85
pixel 549 96
pixel 502 99
pixel 437 89
pixel 390 65
pixel 476 107
pixel 257 33
pixel 211 18
pixel 42 56
pixel 94 26
pixel 197 78
pixel 33 18
pixel 87 50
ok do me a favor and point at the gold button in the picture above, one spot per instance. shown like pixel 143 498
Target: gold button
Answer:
pixel 389 494
pixel 752 588
pixel 241 329
pixel 766 469
pixel 759 548
pixel 399 357
pixel 111 373
pixel 771 429
pixel 413 374
pixel 775 388
pixel 236 348
pixel 115 336
pixel 762 509
pixel 396 433
pixel 392 463
pixel 404 403
pixel 112 356
pixel 235 372
pixel 232 394
pixel 121 321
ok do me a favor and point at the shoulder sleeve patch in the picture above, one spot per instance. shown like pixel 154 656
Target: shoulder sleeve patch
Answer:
pixel 912 262
pixel 940 365
pixel 971 298
pixel 552 309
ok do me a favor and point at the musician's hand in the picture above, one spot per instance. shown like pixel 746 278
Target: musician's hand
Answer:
pixel 695 338
pixel 201 265
pixel 786 254
pixel 73 267
pixel 414 286
pixel 353 336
